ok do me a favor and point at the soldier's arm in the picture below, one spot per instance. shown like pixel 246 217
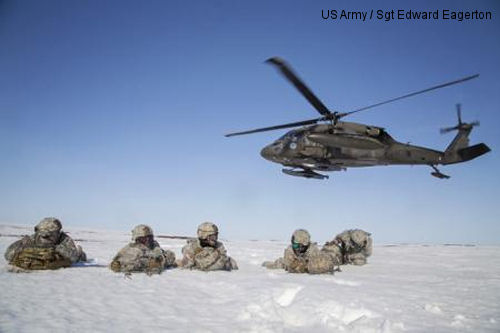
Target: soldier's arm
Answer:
pixel 155 261
pixel 294 264
pixel 168 257
pixel 297 266
pixel 188 253
pixel 221 249
pixel 115 264
pixel 209 259
pixel 228 263
pixel 288 256
pixel 125 260
pixel 67 248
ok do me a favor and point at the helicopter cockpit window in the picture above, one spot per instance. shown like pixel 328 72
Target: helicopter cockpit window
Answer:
pixel 372 131
pixel 384 136
pixel 289 136
pixel 283 137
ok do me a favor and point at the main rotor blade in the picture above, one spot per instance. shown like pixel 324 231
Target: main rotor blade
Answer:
pixel 298 123
pixel 299 84
pixel 410 95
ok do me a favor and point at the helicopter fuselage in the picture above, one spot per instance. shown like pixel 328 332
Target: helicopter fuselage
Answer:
pixel 328 147
pixel 337 145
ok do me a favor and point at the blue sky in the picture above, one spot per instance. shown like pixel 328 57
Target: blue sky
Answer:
pixel 112 113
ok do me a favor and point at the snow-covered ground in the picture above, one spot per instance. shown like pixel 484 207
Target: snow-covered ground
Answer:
pixel 414 288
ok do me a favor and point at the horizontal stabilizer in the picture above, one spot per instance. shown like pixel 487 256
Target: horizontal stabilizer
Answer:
pixel 472 152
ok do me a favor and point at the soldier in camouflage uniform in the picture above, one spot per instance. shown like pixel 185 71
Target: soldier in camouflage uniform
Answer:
pixel 349 247
pixel 302 256
pixel 143 254
pixel 206 253
pixel 47 248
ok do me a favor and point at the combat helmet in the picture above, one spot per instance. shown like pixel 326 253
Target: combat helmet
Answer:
pixel 206 229
pixel 141 230
pixel 49 224
pixel 301 236
pixel 359 237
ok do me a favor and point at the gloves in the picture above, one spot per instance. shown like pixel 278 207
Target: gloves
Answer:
pixel 206 258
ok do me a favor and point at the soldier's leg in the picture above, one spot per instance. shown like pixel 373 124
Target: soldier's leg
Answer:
pixel 357 259
pixel 277 264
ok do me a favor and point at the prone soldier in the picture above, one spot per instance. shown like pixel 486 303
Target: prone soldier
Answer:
pixel 206 253
pixel 352 246
pixel 143 254
pixel 47 248
pixel 302 256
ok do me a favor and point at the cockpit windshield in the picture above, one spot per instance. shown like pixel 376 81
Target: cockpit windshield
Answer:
pixel 283 137
pixel 384 136
pixel 288 135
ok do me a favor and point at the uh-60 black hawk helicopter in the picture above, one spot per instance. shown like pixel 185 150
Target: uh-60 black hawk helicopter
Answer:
pixel 337 145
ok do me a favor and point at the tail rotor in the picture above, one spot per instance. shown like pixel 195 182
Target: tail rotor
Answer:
pixel 460 125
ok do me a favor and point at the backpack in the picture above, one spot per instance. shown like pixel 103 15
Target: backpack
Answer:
pixel 40 258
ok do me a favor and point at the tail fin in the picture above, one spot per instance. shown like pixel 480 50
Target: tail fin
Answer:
pixel 461 140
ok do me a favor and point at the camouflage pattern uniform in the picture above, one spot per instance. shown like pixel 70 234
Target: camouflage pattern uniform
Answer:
pixel 350 247
pixel 143 254
pixel 47 248
pixel 277 264
pixel 302 256
pixel 206 253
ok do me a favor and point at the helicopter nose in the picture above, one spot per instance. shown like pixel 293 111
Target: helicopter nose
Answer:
pixel 267 153
pixel 272 151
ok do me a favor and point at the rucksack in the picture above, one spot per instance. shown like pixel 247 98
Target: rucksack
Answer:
pixel 40 258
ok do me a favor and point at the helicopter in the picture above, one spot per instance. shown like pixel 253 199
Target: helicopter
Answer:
pixel 327 144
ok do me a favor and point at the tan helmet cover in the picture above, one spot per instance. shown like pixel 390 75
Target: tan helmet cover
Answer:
pixel 359 237
pixel 141 230
pixel 206 229
pixel 301 236
pixel 49 224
